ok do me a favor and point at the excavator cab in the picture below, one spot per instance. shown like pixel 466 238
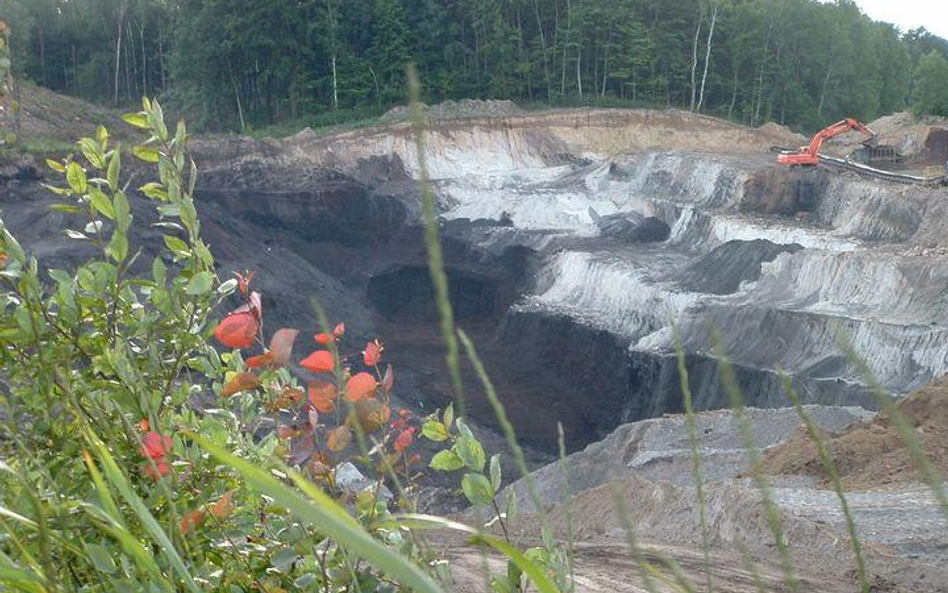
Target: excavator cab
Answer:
pixel 809 156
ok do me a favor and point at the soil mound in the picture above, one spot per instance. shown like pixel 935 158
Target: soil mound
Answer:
pixel 871 455
pixel 921 141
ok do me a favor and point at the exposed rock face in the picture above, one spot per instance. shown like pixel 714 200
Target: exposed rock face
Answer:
pixel 777 262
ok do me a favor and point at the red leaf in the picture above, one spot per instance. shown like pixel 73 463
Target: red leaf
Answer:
pixel 223 507
pixel 372 354
pixel 158 470
pixel 322 395
pixel 256 306
pixel 287 432
pixel 360 387
pixel 155 445
pixel 242 382
pixel 293 395
pixel 321 361
pixel 405 439
pixel 339 438
pixel 192 519
pixel 370 414
pixel 281 345
pixel 237 330
pixel 324 339
pixel 339 330
pixel 243 281
pixel 301 450
pixel 261 360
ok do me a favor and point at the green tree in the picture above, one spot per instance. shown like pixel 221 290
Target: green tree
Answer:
pixel 931 84
pixel 390 49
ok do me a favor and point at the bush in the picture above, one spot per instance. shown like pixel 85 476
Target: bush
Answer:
pixel 112 480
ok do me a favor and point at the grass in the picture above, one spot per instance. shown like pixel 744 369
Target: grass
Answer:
pixel 323 123
pixel 42 146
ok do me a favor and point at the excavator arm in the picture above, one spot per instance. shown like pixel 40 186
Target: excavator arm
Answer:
pixel 810 155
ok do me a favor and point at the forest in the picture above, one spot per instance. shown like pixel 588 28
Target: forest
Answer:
pixel 236 65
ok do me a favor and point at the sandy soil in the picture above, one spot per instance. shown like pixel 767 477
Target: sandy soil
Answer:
pixel 871 455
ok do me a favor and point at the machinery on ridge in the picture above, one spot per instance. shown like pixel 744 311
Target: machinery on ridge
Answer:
pixel 809 156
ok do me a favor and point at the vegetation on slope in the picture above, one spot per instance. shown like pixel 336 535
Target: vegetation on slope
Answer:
pixel 234 65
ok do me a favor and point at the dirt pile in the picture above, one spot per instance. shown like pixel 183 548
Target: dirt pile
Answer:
pixel 920 141
pixel 871 455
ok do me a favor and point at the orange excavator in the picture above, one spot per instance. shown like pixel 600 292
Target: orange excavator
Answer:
pixel 809 156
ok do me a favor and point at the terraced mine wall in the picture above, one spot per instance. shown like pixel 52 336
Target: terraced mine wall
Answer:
pixel 573 316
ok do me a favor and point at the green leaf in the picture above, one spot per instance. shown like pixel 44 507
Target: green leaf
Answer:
pixel 177 246
pixel 446 461
pixel 136 119
pixel 326 515
pixel 146 153
pixel 471 451
pixel 118 246
pixel 76 178
pixel 448 417
pixel 159 272
pixel 200 283
pixel 102 135
pixel 13 246
pixel 59 191
pixel 123 211
pixel 101 559
pixel 227 287
pixel 495 472
pixel 55 166
pixel 66 208
pixel 154 191
pixel 435 431
pixel 115 169
pixel 477 489
pixel 93 153
pixel 102 203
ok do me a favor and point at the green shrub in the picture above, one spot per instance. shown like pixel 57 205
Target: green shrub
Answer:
pixel 111 480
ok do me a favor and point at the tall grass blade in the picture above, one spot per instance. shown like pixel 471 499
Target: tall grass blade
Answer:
pixel 887 404
pixel 114 475
pixel 534 572
pixel 771 512
pixel 510 434
pixel 132 546
pixel 439 278
pixel 326 515
pixel 830 466
pixel 692 429
pixel 20 579
pixel 567 493
pixel 625 519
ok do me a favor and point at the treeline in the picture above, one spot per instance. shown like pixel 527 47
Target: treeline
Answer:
pixel 230 64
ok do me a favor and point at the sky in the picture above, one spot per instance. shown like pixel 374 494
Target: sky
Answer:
pixel 909 14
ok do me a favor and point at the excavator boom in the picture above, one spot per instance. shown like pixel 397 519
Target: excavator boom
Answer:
pixel 810 155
